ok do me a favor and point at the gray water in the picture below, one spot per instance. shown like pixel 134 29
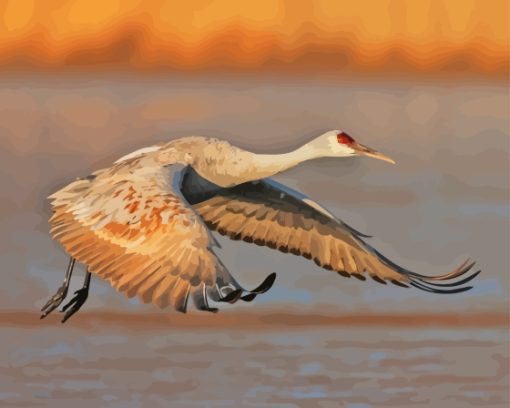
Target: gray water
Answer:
pixel 114 366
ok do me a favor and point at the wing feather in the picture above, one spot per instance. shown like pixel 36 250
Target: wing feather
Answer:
pixel 135 229
pixel 267 213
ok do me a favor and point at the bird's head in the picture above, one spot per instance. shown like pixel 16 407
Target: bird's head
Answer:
pixel 337 143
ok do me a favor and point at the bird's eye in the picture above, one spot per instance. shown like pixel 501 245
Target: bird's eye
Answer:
pixel 344 138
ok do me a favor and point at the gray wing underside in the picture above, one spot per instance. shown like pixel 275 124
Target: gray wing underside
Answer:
pixel 271 214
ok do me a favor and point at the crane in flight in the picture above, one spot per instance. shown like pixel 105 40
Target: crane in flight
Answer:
pixel 144 224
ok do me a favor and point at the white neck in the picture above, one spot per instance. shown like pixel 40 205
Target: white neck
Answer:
pixel 268 165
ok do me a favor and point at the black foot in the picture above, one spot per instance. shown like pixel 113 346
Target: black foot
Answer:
pixel 54 302
pixel 237 294
pixel 266 285
pixel 76 302
pixel 232 297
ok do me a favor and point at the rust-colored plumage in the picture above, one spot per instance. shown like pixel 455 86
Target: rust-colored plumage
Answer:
pixel 130 228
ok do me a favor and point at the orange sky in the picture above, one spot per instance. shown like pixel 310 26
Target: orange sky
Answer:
pixel 290 36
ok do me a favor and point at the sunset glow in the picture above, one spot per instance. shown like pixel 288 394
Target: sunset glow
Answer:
pixel 290 36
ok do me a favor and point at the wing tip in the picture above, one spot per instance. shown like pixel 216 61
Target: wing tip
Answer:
pixel 451 285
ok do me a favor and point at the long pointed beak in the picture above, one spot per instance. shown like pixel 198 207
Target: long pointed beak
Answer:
pixel 367 151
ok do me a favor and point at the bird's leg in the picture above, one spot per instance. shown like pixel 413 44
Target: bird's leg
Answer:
pixel 200 300
pixel 78 300
pixel 58 297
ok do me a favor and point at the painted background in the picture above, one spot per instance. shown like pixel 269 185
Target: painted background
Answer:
pixel 83 83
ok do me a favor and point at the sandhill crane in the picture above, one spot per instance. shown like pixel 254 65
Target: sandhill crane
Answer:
pixel 144 224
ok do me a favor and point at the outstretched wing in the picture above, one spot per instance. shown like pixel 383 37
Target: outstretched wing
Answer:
pixel 270 214
pixel 134 229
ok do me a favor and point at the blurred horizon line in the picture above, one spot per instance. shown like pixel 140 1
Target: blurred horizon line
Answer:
pixel 99 72
pixel 265 318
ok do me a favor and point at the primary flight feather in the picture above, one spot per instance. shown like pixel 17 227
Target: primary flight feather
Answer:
pixel 144 224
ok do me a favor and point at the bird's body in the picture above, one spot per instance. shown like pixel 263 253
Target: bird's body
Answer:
pixel 144 224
